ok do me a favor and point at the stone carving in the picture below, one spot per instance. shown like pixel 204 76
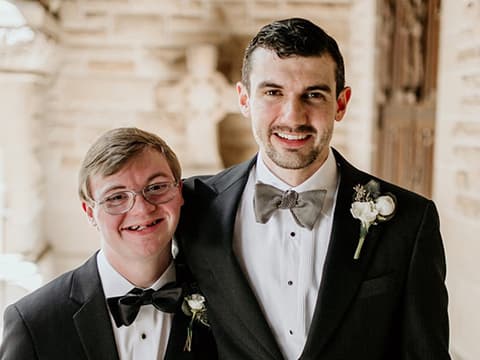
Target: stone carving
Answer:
pixel 204 97
pixel 401 40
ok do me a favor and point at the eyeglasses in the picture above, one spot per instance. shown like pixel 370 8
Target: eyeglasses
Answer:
pixel 123 201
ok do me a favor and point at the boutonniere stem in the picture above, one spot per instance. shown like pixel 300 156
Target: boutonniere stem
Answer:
pixel 195 307
pixel 370 207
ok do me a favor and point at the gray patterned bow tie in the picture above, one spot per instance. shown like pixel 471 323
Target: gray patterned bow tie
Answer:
pixel 305 206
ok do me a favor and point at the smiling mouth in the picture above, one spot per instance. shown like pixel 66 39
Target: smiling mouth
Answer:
pixel 142 227
pixel 292 137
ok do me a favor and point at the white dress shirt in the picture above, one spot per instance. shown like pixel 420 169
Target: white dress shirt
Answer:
pixel 147 337
pixel 282 261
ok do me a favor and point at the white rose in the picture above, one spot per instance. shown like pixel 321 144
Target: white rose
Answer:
pixel 196 302
pixel 364 211
pixel 385 205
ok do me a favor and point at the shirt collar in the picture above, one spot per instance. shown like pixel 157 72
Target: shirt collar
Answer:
pixel 114 284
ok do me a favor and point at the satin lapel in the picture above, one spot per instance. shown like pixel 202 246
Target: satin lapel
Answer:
pixel 177 339
pixel 248 323
pixel 178 332
pixel 342 275
pixel 92 320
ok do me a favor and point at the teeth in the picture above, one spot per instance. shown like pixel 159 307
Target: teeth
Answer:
pixel 292 137
pixel 142 227
pixel 135 228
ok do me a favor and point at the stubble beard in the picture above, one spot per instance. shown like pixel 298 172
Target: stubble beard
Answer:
pixel 294 159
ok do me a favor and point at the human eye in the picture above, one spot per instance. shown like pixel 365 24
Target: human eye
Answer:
pixel 272 92
pixel 116 199
pixel 314 95
pixel 158 188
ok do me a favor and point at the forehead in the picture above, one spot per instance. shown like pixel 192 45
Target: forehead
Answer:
pixel 267 66
pixel 148 165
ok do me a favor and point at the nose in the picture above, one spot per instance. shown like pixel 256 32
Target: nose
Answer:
pixel 141 205
pixel 294 112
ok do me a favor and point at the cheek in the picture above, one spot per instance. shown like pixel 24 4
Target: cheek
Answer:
pixel 173 210
pixel 108 223
pixel 324 114
pixel 264 115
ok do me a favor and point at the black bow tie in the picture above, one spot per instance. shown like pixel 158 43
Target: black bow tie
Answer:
pixel 305 206
pixel 125 308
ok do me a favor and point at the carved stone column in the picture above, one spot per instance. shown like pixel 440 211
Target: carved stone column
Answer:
pixel 25 69
pixel 203 98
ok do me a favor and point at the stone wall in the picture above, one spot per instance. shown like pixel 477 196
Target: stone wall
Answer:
pixel 457 168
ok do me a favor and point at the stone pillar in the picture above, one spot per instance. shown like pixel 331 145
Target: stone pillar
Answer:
pixel 204 97
pixel 457 168
pixel 19 140
pixel 26 68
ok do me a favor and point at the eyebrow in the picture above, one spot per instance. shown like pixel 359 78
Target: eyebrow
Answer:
pixel 122 187
pixel 265 84
pixel 320 87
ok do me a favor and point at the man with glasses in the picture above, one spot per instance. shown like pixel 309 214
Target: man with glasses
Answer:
pixel 128 301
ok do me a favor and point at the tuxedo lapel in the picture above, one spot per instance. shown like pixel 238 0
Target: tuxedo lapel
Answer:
pixel 342 275
pixel 177 339
pixel 92 320
pixel 221 196
pixel 178 332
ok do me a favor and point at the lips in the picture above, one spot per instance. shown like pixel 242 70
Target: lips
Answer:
pixel 292 137
pixel 143 226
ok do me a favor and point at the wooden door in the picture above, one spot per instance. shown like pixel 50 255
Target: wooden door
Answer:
pixel 407 71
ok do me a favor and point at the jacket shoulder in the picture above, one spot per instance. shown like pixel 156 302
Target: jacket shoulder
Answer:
pixel 54 297
pixel 222 179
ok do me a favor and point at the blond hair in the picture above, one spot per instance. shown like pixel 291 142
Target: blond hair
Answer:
pixel 111 151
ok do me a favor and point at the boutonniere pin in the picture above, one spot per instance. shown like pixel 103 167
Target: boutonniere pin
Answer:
pixel 195 307
pixel 370 207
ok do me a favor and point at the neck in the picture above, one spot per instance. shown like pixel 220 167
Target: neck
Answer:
pixel 294 177
pixel 141 272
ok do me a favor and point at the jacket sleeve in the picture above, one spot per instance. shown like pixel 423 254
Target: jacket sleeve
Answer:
pixel 426 327
pixel 17 342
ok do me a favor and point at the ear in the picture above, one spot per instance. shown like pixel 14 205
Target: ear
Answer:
pixel 89 212
pixel 180 187
pixel 342 103
pixel 243 99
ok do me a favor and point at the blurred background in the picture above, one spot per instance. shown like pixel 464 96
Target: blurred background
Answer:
pixel 72 69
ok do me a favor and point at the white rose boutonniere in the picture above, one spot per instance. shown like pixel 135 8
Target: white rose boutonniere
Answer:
pixel 370 208
pixel 194 306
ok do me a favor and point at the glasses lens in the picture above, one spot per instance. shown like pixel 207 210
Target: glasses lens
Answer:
pixel 118 203
pixel 160 193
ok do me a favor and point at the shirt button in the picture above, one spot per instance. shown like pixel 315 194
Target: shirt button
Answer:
pixel 143 336
pixel 290 282
pixel 292 234
pixel 290 332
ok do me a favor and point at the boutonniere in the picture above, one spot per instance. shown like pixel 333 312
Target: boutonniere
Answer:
pixel 195 307
pixel 370 207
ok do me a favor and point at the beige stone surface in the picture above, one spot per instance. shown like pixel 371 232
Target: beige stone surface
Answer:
pixel 457 168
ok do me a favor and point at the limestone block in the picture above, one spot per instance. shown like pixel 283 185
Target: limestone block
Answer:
pixel 73 92
pixel 137 26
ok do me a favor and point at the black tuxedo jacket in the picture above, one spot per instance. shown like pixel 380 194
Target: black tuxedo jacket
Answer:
pixel 390 304
pixel 68 319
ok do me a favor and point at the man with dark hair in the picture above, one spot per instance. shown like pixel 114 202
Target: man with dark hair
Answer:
pixel 299 254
